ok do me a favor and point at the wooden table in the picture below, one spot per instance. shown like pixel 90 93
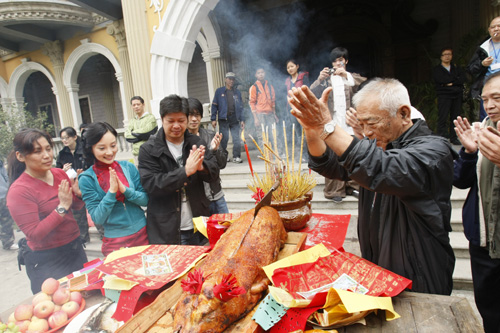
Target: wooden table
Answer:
pixel 423 313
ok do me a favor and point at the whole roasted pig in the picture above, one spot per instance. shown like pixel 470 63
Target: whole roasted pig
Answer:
pixel 230 281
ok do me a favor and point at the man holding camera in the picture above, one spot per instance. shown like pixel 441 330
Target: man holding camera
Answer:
pixel 345 85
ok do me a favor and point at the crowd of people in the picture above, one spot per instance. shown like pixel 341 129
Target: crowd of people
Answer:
pixel 363 135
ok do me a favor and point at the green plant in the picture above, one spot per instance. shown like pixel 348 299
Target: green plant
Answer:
pixel 13 120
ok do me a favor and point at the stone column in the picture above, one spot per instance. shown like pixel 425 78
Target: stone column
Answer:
pixel 117 30
pixel 216 70
pixel 54 50
pixel 134 18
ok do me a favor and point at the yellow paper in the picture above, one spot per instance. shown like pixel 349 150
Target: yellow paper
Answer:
pixel 307 256
pixel 200 224
pixel 113 282
pixel 124 252
pixel 283 297
pixel 354 302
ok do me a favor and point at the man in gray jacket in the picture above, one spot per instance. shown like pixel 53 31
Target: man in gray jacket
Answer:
pixel 405 175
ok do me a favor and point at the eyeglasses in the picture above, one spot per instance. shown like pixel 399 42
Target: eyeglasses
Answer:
pixel 446 54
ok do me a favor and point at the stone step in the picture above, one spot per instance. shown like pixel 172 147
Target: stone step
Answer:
pixel 462 275
pixel 460 244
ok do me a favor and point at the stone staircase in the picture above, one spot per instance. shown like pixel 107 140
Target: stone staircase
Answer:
pixel 235 178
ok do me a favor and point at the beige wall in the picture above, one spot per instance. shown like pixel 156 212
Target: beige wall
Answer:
pixel 99 36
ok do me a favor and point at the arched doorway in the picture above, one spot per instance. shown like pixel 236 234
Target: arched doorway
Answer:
pixel 99 93
pixel 39 98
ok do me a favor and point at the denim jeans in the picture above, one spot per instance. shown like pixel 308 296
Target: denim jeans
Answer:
pixel 218 206
pixel 224 127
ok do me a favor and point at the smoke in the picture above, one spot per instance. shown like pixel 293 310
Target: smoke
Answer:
pixel 256 37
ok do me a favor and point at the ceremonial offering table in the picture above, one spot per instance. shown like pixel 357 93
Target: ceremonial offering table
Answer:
pixel 423 313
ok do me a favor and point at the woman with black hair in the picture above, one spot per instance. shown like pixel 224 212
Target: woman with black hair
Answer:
pixel 40 200
pixel 112 190
pixel 71 160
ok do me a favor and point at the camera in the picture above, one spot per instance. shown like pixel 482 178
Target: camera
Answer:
pixel 331 71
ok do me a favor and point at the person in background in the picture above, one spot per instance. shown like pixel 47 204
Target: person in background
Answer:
pixel 141 127
pixel 173 166
pixel 6 223
pixel 40 200
pixel 480 214
pixel 449 80
pixel 345 85
pixel 296 79
pixel 262 101
pixel 227 108
pixel 72 161
pixel 213 190
pixel 484 62
pixel 112 191
pixel 405 173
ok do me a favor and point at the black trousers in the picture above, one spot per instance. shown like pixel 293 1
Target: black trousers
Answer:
pixel 449 108
pixel 486 280
pixel 55 263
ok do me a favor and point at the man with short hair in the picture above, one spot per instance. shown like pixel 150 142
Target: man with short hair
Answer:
pixel 227 107
pixel 405 177
pixel 485 61
pixel 141 127
pixel 344 85
pixel 449 80
pixel 173 165
pixel 481 210
pixel 262 101
pixel 213 190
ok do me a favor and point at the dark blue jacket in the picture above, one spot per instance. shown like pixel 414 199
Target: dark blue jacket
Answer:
pixel 465 176
pixel 219 104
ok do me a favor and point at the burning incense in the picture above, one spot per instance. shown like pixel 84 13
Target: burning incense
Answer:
pixel 293 147
pixel 301 149
pixel 246 150
pixel 256 144
pixel 286 149
pixel 272 151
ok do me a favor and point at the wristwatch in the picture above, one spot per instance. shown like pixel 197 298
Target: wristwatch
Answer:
pixel 328 129
pixel 61 210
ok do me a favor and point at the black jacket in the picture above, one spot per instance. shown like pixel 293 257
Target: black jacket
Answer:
pixel 77 160
pixel 442 78
pixel 477 70
pixel 163 180
pixel 404 204
pixel 220 155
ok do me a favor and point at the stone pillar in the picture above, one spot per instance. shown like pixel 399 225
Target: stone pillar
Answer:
pixel 216 70
pixel 54 50
pixel 117 30
pixel 75 102
pixel 134 18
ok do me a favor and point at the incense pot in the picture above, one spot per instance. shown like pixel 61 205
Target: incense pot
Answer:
pixel 296 213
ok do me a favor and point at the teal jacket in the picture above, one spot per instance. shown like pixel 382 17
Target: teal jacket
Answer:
pixel 118 219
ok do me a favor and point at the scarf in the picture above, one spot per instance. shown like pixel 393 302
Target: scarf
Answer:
pixel 339 99
pixel 102 172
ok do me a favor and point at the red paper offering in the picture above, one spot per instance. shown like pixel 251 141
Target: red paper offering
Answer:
pixel 215 227
pixel 130 267
pixel 376 280
pixel 330 230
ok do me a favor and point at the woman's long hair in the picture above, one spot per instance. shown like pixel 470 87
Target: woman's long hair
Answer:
pixel 92 135
pixel 24 143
